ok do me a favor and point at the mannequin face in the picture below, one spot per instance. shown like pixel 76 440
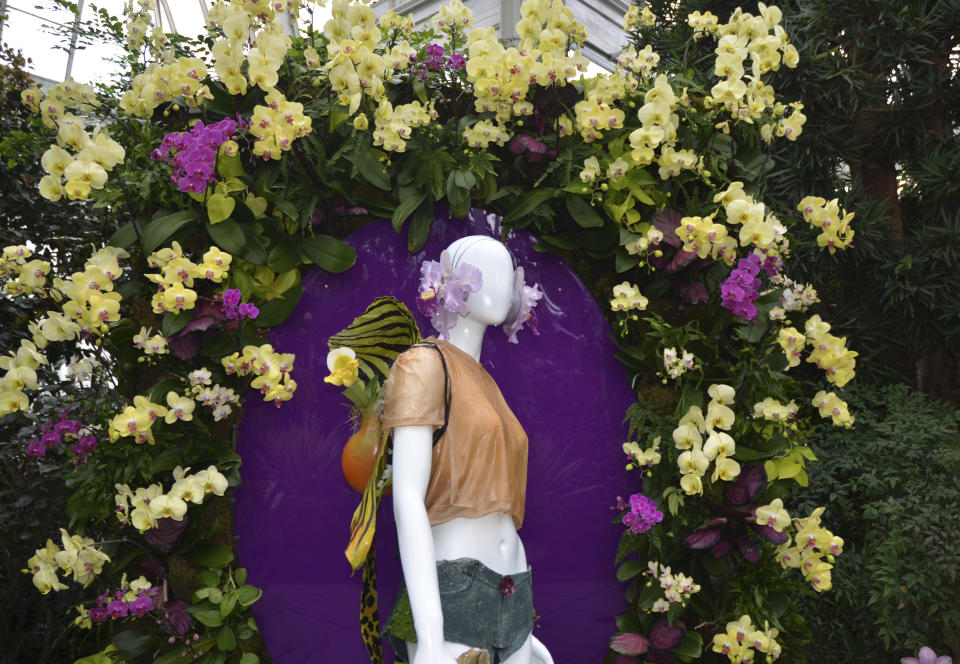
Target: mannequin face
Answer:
pixel 491 303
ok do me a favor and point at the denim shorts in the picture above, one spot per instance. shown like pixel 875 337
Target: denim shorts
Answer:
pixel 481 609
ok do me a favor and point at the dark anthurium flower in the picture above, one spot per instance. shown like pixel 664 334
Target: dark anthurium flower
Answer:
pixel 718 536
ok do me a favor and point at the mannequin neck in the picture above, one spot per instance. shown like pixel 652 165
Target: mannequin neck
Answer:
pixel 467 335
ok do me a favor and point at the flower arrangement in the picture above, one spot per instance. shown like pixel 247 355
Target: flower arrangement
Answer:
pixel 221 204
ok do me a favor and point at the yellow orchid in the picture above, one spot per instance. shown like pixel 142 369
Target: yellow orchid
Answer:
pixel 343 366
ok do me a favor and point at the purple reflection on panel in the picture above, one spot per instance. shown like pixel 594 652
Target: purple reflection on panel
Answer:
pixel 293 510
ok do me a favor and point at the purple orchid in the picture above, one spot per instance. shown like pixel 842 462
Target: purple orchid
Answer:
pixel 194 153
pixel 740 289
pixel 643 514
pixel 927 656
pixel 524 300
pixel 444 290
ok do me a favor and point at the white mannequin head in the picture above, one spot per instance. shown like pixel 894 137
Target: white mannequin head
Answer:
pixel 491 304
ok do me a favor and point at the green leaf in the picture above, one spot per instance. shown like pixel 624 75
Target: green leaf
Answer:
pixel 288 208
pixel 226 641
pixel 159 230
pixel 256 205
pixel 132 643
pixel 206 614
pixel 230 166
pixel 582 212
pixel 219 207
pixel 228 603
pixel 165 461
pixel 691 646
pixel 529 202
pixel 249 658
pixel 329 253
pixel 373 170
pixel 651 593
pixel 124 236
pixel 228 235
pixel 240 575
pixel 279 309
pixel 209 577
pixel 459 184
pixel 285 256
pixel 255 251
pixel 211 555
pixel 676 608
pixel 248 595
pixel 173 323
pixel 420 227
pixel 630 569
pixel 405 209
pixel 420 90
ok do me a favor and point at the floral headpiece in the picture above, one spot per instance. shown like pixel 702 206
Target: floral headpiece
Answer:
pixel 524 299
pixel 444 290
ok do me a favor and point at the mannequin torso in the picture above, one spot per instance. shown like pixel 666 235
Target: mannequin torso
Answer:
pixel 491 538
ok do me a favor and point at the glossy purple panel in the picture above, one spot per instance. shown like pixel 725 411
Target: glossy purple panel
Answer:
pixel 293 510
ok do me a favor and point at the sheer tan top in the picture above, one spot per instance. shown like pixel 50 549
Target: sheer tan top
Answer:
pixel 480 463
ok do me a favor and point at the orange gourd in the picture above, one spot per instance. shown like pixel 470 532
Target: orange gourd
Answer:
pixel 360 453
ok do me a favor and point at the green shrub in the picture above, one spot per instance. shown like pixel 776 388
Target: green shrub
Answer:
pixel 892 487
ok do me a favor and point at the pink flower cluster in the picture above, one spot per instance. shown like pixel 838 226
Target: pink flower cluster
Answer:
pixel 234 309
pixel 61 431
pixel 740 289
pixel 643 514
pixel 194 154
pixel 115 606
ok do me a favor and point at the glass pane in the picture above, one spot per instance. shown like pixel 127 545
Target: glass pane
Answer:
pixel 33 31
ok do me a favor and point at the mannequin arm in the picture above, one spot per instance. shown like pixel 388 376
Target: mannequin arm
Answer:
pixel 412 459
pixel 540 652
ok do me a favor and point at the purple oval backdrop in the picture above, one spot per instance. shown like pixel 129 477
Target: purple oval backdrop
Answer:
pixel 293 511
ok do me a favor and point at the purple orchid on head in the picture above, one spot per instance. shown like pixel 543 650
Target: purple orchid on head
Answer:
pixel 525 298
pixel 444 290
pixel 927 656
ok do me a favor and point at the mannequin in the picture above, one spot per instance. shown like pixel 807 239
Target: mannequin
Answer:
pixel 490 539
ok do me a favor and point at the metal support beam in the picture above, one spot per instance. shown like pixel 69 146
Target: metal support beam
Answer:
pixel 73 40
pixel 166 10
pixel 3 15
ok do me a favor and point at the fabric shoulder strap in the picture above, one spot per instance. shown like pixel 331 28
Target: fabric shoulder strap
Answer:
pixel 447 391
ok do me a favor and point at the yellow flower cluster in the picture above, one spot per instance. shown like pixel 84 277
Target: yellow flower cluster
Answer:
pixel 452 16
pixel 54 102
pixel 272 371
pixel 354 68
pixel 150 345
pixel 20 373
pixel 795 297
pixel 706 237
pixel 832 406
pixel 91 302
pixel 78 558
pixel 391 20
pixel 23 277
pixel 277 125
pixel 501 77
pixel 254 29
pixel 138 22
pixel 773 515
pixel 137 420
pixel 145 506
pixel 161 83
pixel 641 62
pixel 771 409
pixel 677 588
pixel 658 128
pixel 762 40
pixel 174 293
pixel 743 641
pixel 642 457
pixel 626 297
pixel 829 352
pixel 759 228
pixel 86 170
pixel 393 125
pixel 484 132
pixel 216 397
pixel 812 552
pixel 635 16
pixel 833 221
pixel 695 460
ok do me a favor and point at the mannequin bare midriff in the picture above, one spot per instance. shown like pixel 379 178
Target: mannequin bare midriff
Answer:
pixel 491 539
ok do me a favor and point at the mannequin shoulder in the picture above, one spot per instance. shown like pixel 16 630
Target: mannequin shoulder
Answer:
pixel 425 361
